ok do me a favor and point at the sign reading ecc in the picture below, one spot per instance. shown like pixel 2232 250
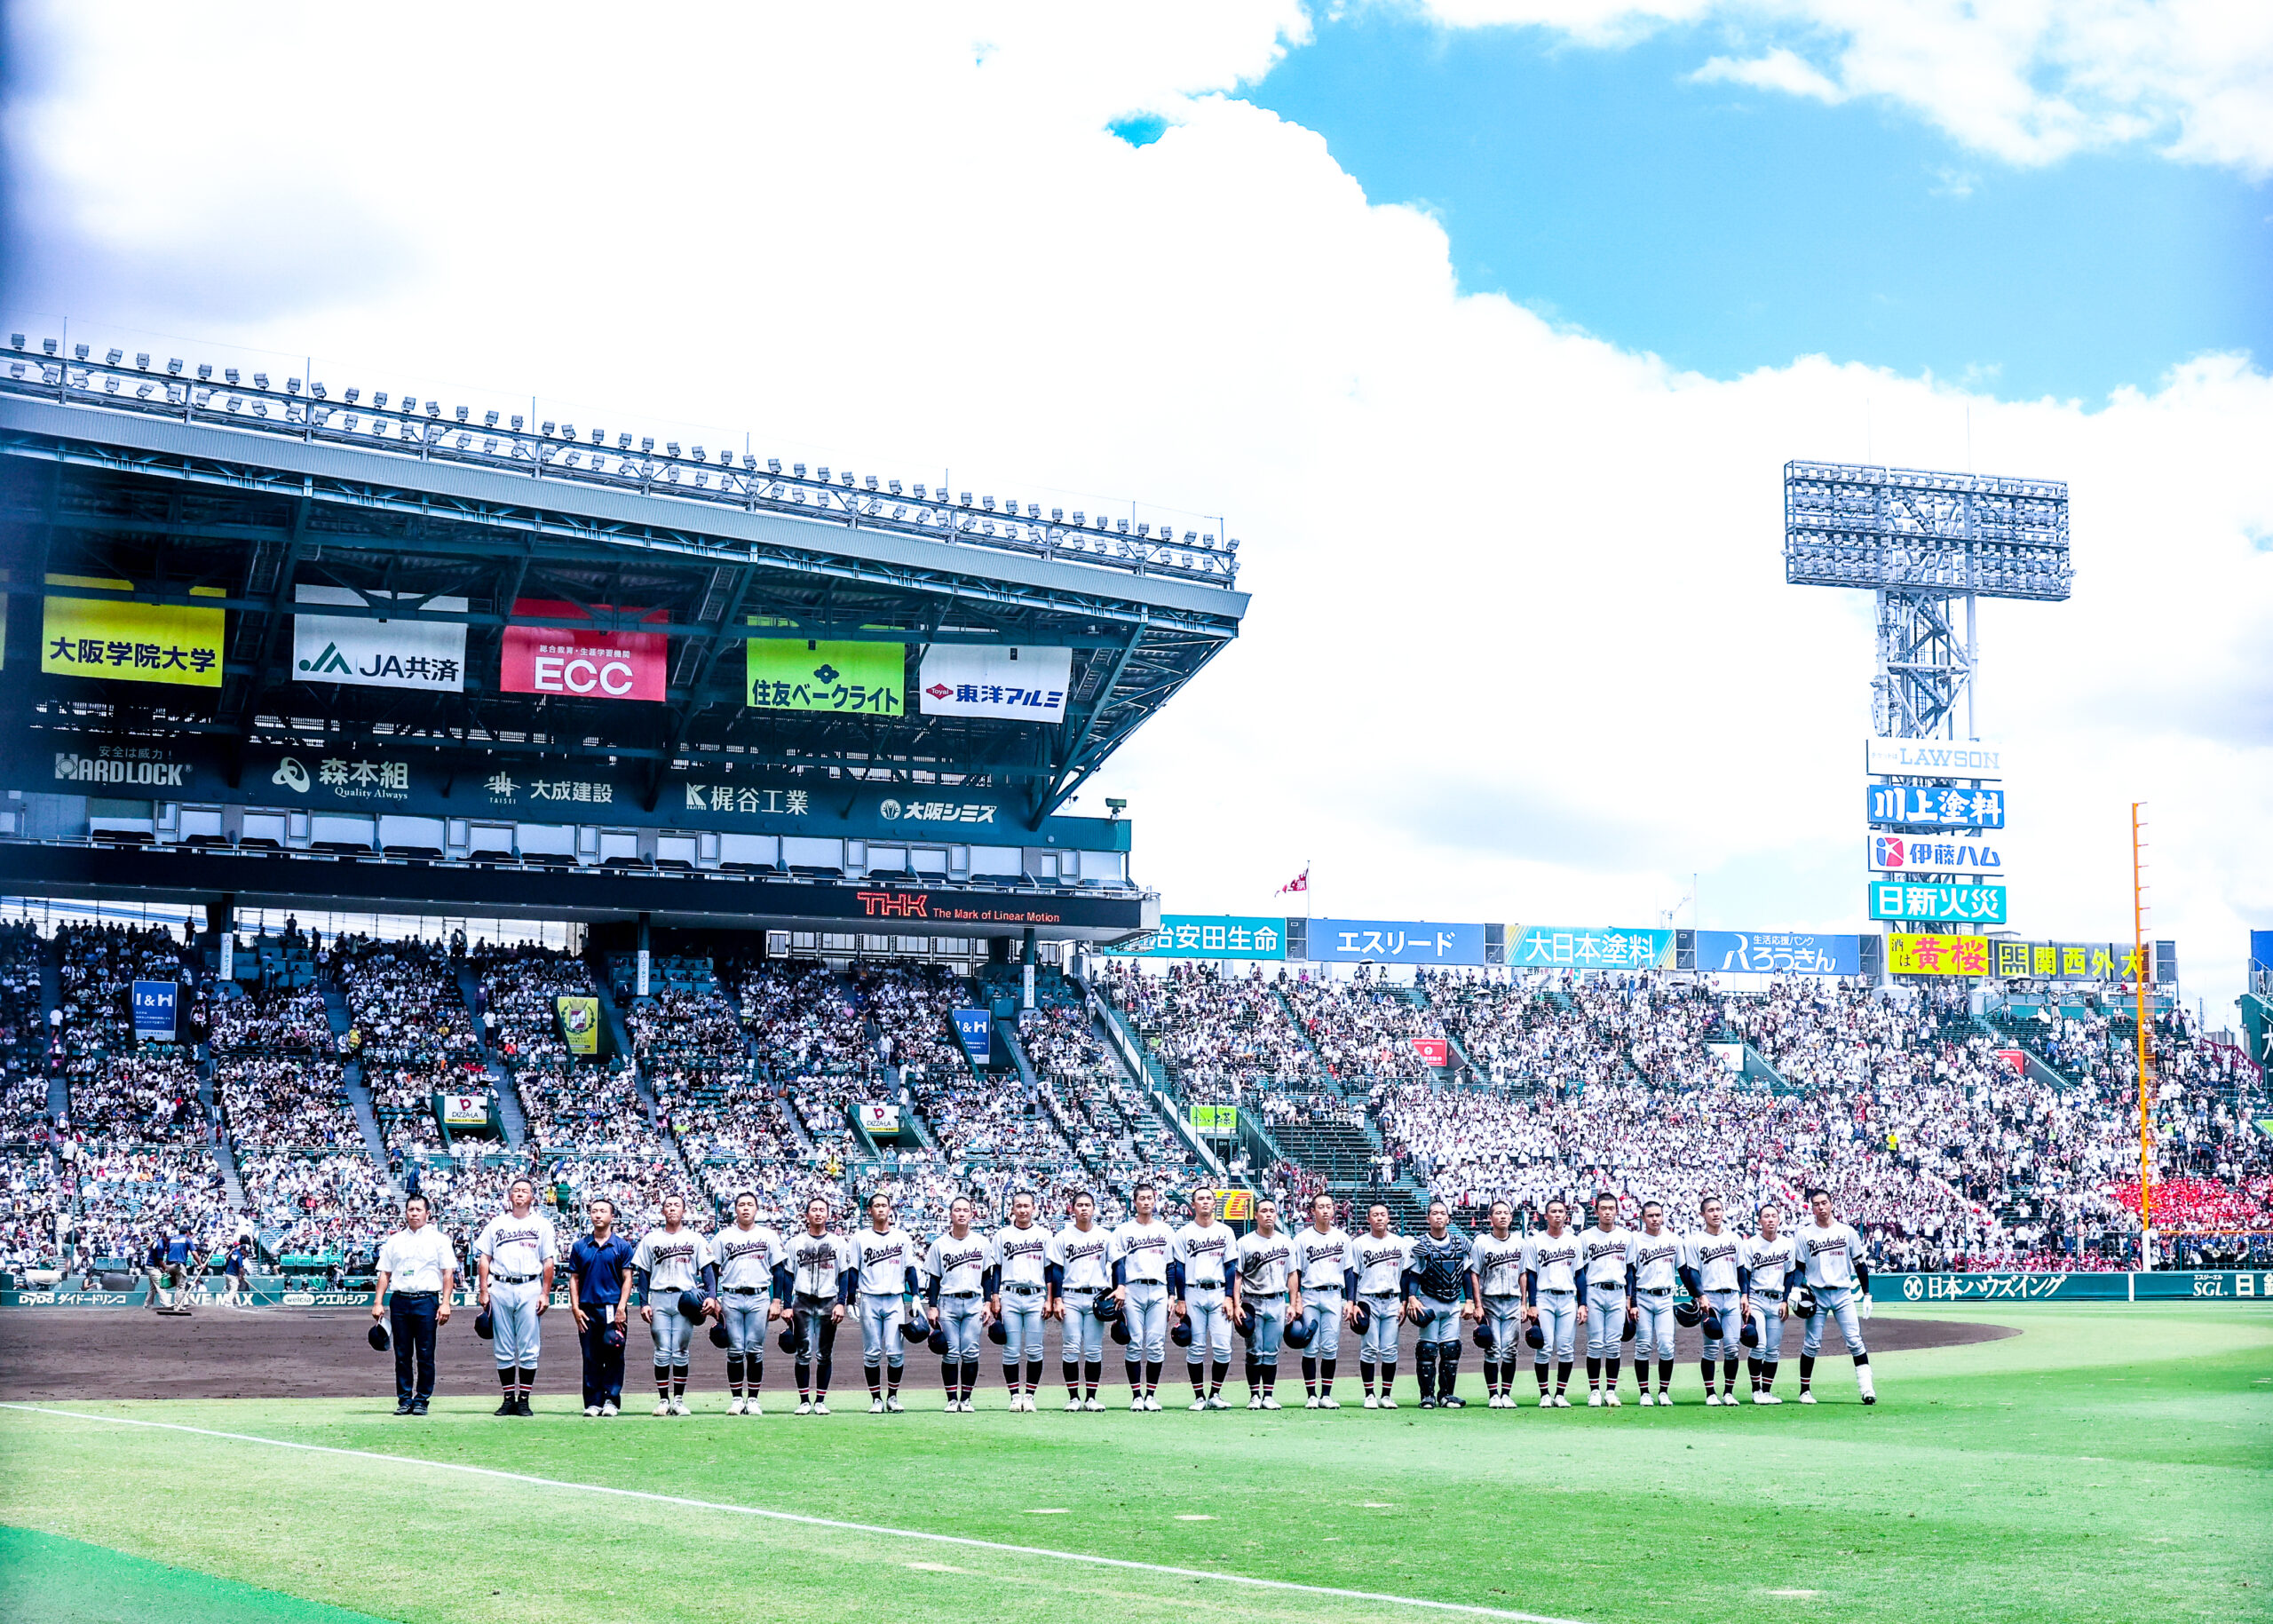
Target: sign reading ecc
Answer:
pixel 594 664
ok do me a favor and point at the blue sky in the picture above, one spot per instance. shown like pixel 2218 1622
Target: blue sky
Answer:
pixel 1727 228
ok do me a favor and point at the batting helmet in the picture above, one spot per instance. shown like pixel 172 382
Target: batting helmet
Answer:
pixel 690 1306
pixel 1244 1324
pixel 1750 1335
pixel 999 1334
pixel 788 1340
pixel 718 1337
pixel 1482 1338
pixel 1120 1330
pixel 1804 1302
pixel 485 1324
pixel 376 1336
pixel 1534 1336
pixel 1300 1329
pixel 613 1336
pixel 1632 1325
pixel 1182 1335
pixel 1361 1317
pixel 1688 1315
pixel 1107 1308
pixel 938 1343
pixel 1713 1326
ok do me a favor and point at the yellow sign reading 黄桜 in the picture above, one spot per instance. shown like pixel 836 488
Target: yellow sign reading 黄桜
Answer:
pixel 132 642
pixel 579 1024
pixel 1937 955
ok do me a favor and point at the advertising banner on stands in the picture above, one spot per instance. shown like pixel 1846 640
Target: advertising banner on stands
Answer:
pixel 155 1005
pixel 879 1121
pixel 131 642
pixel 1210 936
pixel 465 1110
pixel 1588 948
pixel 1216 1121
pixel 1018 685
pixel 2067 962
pixel 400 654
pixel 1937 955
pixel 814 674
pixel 1394 941
pixel 1434 1051
pixel 1932 806
pixel 580 1023
pixel 2017 1058
pixel 1937 904
pixel 1935 853
pixel 1933 758
pixel 2162 1286
pixel 1781 953
pixel 625 665
pixel 975 1028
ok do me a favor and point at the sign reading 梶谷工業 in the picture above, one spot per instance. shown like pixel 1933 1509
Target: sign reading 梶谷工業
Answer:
pixel 1933 806
pixel 1210 936
pixel 1790 953
pixel 1017 685
pixel 1937 955
pixel 1588 948
pixel 156 1005
pixel 580 664
pixel 1965 853
pixel 975 1028
pixel 132 642
pixel 403 652
pixel 1938 903
pixel 1393 941
pixel 1933 758
pixel 2067 962
pixel 580 1023
pixel 815 674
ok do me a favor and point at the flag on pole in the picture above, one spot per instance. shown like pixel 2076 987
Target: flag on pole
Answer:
pixel 1301 881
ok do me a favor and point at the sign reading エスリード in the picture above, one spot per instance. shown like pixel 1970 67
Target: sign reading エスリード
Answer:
pixel 1910 900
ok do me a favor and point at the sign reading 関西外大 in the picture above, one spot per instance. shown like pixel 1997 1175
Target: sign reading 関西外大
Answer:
pixel 1933 806
pixel 403 652
pixel 1589 947
pixel 1966 853
pixel 1210 936
pixel 1791 952
pixel 1909 899
pixel 2067 962
pixel 1933 758
pixel 1017 685
pixel 1393 941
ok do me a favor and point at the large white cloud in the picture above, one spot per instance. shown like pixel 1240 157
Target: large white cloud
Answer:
pixel 2028 81
pixel 1520 648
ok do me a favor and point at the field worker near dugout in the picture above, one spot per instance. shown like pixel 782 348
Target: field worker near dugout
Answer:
pixel 417 1262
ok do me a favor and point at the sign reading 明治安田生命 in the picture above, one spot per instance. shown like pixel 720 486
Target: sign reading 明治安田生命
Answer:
pixel 1210 936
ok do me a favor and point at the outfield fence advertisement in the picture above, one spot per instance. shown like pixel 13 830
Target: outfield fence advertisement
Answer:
pixel 1783 953
pixel 2068 961
pixel 1394 941
pixel 1937 903
pixel 1929 807
pixel 1937 955
pixel 1209 935
pixel 2163 1285
pixel 1587 947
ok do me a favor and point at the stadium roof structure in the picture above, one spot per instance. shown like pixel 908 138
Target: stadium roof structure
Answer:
pixel 112 469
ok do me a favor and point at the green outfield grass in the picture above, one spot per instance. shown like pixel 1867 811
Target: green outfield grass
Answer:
pixel 2113 1462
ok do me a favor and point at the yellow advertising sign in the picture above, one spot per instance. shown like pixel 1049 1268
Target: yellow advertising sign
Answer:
pixel 580 1023
pixel 1235 1206
pixel 1937 955
pixel 132 642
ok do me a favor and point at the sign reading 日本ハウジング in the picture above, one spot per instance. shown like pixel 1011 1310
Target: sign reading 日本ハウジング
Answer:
pixel 1935 853
pixel 404 652
pixel 1910 900
pixel 1019 684
pixel 1933 806
pixel 132 642
pixel 1588 948
pixel 1792 953
pixel 1394 941
pixel 1933 758
pixel 1937 955
pixel 1210 936
pixel 814 674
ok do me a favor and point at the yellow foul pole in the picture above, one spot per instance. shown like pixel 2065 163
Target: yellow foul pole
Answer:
pixel 2143 971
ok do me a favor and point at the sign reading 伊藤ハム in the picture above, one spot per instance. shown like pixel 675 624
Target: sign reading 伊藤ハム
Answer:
pixel 1910 900
pixel 1935 853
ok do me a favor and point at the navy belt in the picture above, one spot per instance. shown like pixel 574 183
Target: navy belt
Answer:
pixel 744 1291
pixel 511 1280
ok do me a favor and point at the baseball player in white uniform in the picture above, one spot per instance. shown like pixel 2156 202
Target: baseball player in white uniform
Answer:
pixel 671 1260
pixel 1654 1257
pixel 1260 1286
pixel 749 1255
pixel 1769 1258
pixel 1080 1271
pixel 1141 1246
pixel 1199 1269
pixel 1019 1298
pixel 822 1274
pixel 1325 1280
pixel 1713 1266
pixel 1380 1259
pixel 1831 1255
pixel 515 1253
pixel 1551 1300
pixel 886 1257
pixel 1496 1286
pixel 956 1267
pixel 1601 1258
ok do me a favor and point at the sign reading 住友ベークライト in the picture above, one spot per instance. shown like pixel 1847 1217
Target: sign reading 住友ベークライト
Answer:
pixel 1937 903
pixel 814 674
pixel 1937 955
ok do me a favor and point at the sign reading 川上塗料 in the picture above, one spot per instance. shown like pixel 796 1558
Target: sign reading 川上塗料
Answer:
pixel 1933 758
pixel 1588 948
pixel 1017 685
pixel 1933 806
pixel 132 642
pixel 1935 853
pixel 403 652
pixel 1910 900
pixel 1791 952
pixel 814 674
pixel 1210 936
pixel 580 664
pixel 1393 941
pixel 1937 955
pixel 155 1007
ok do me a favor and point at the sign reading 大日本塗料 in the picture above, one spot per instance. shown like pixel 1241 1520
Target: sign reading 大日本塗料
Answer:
pixel 1588 948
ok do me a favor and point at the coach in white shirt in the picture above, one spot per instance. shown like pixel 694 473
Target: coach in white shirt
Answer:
pixel 418 1263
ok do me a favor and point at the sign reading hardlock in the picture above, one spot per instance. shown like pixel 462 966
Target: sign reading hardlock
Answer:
pixel 73 768
pixel 626 665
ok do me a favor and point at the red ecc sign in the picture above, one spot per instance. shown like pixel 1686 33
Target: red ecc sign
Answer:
pixel 1436 1051
pixel 583 664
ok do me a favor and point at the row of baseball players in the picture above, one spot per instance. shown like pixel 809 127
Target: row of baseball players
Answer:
pixel 1148 1285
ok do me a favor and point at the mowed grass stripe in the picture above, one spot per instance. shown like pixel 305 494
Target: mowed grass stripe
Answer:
pixel 1202 1575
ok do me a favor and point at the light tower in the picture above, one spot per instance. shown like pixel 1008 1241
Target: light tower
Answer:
pixel 1929 545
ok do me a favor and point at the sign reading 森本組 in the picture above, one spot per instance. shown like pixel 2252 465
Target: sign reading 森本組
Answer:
pixel 1933 758
pixel 1935 853
pixel 1393 941
pixel 1589 947
pixel 1017 685
pixel 580 664
pixel 403 652
pixel 1937 955
pixel 132 642
pixel 1791 952
pixel 1210 936
pixel 814 674
pixel 1912 900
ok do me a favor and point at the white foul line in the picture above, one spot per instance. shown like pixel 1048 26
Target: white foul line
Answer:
pixel 1470 1608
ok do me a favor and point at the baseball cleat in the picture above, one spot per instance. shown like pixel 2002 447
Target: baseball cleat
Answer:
pixel 1137 1404
pixel 1664 1400
pixel 521 1406
pixel 1199 1404
pixel 734 1406
pixel 1428 1401
pixel 591 1412
pixel 1310 1403
pixel 892 1405
pixel 1329 1402
pixel 610 1408
pixel 1271 1402
pixel 875 1406
pixel 1255 1402
pixel 1373 1403
pixel 1453 1403
pixel 1093 1404
pixel 1072 1405
pixel 1562 1401
pixel 506 1407
pixel 1806 1396
pixel 1612 1401
pixel 679 1408
pixel 663 1406
pixel 820 1406
pixel 1387 1403
pixel 804 1406
pixel 1765 1397
pixel 1594 1399
pixel 750 1406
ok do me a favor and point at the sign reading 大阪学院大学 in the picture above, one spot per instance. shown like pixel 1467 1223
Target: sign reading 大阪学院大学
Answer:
pixel 815 674
pixel 404 653
pixel 1965 853
pixel 1910 899
pixel 1210 936
pixel 131 642
pixel 1933 758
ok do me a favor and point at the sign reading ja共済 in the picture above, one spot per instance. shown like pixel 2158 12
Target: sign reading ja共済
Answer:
pixel 1909 899
pixel 404 653
pixel 131 642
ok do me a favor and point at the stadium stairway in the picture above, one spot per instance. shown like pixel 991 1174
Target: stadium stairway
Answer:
pixel 509 1108
pixel 50 999
pixel 358 1098
pixel 225 1154
pixel 1295 1021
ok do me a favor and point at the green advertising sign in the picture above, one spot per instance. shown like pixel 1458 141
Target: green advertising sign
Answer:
pixel 813 674
pixel 1216 1121
pixel 1908 900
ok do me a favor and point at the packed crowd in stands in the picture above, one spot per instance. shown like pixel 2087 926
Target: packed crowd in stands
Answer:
pixel 404 1008
pixel 145 1097
pixel 126 1195
pixel 1215 1032
pixel 1361 1029
pixel 23 1033
pixel 337 1202
pixel 802 1021
pixel 519 987
pixel 272 1021
pixel 277 1102
pixel 33 1198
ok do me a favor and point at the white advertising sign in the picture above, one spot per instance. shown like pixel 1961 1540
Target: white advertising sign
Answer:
pixel 1019 684
pixel 404 654
pixel 1934 758
pixel 1966 853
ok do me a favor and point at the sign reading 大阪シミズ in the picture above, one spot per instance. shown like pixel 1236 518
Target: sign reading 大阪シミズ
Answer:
pixel 1909 899
pixel 404 653
pixel 1588 948
pixel 1966 853
pixel 1210 936
pixel 132 642
pixel 1933 758
pixel 814 674
pixel 1790 953
pixel 1393 941
pixel 1018 685
pixel 1933 806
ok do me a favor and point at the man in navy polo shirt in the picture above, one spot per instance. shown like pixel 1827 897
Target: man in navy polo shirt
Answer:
pixel 599 1271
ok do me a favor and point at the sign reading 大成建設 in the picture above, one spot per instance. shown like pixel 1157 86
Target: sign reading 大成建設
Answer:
pixel 1937 903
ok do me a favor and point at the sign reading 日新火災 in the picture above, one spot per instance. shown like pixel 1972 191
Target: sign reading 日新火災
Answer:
pixel 1589 947
pixel 1910 899
pixel 1210 936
